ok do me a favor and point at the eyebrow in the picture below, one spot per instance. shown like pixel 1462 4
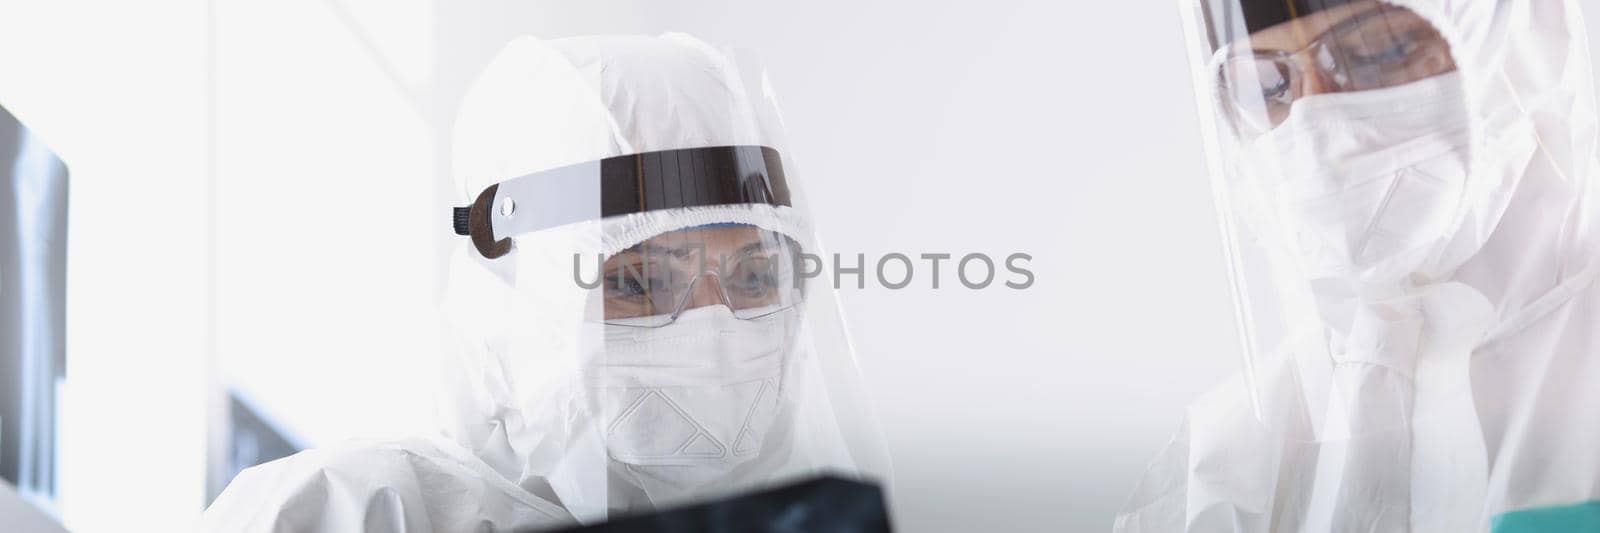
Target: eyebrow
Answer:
pixel 647 248
pixel 749 249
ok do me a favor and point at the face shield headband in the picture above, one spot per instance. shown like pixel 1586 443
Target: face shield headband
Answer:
pixel 622 185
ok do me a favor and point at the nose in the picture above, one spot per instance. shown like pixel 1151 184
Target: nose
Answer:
pixel 1314 81
pixel 706 290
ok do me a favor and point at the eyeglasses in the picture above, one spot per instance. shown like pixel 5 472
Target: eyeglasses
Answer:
pixel 1379 48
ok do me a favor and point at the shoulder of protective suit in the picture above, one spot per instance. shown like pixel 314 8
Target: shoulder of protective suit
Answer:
pixel 410 485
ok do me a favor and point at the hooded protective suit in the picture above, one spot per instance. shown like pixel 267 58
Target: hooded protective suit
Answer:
pixel 1407 196
pixel 599 366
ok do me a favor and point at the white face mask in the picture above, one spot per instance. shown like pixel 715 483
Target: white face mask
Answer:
pixel 685 404
pixel 1369 184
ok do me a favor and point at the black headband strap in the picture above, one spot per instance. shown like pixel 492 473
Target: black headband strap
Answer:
pixel 637 183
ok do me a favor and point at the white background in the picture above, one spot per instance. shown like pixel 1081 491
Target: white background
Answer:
pixel 259 194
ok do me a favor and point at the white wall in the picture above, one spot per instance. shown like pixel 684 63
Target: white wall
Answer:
pixel 325 215
pixel 118 90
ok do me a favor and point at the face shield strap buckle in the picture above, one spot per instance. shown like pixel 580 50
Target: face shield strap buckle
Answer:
pixel 623 185
pixel 473 221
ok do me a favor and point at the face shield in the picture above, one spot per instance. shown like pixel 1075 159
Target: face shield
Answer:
pixel 1351 160
pixel 634 326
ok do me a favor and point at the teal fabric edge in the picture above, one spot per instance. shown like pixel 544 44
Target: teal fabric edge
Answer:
pixel 1583 516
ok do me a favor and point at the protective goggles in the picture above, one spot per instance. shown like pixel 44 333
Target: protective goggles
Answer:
pixel 1361 46
pixel 748 269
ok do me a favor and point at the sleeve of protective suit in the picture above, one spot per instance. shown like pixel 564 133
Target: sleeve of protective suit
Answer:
pixel 410 486
pixel 1157 503
pixel 1220 471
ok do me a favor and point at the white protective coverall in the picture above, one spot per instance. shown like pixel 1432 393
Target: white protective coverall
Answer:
pixel 1415 271
pixel 569 398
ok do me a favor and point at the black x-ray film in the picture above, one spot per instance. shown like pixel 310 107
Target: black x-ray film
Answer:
pixel 827 504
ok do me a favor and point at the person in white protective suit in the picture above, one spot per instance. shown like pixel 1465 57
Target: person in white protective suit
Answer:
pixel 632 331
pixel 1407 193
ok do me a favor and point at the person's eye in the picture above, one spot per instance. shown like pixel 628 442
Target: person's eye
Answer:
pixel 625 284
pixel 755 279
pixel 1271 79
pixel 755 285
pixel 1397 51
pixel 1275 90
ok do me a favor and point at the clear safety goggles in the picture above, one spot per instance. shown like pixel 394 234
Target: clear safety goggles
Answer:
pixel 750 270
pixel 1358 46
